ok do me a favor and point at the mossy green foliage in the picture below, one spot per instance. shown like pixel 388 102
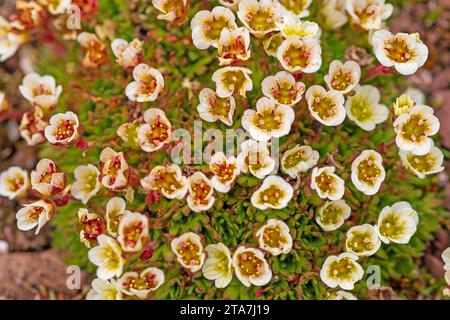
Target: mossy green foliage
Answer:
pixel 97 95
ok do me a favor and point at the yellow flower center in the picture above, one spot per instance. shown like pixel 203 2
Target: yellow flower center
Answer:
pixel 341 269
pixel 201 192
pixel 148 282
pixel 147 84
pixel 167 180
pixel 295 6
pixel 224 171
pixel 415 128
pixel 325 182
pixel 234 80
pixel 66 129
pixel 423 163
pixel 250 264
pixel 158 133
pixel 331 214
pixel 261 20
pixel 403 104
pixel 341 80
pixel 368 171
pixel 360 109
pixel 110 257
pixel 324 106
pixel 273 238
pixel 294 158
pixel 360 242
pixel 398 51
pixel 297 55
pixel 16 182
pixel 219 107
pixel 271 195
pixel 267 119
pixel 284 92
pixel 176 6
pixel 35 213
pixel 132 233
pixel 214 26
pixel 189 253
pixel 392 226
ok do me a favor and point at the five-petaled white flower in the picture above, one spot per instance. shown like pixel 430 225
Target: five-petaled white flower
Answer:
pixel 274 193
pixel 251 267
pixel 128 54
pixel 405 52
pixel 207 26
pixel 332 215
pixel 104 290
pixel 232 80
pixel 217 265
pixel 63 129
pixel 421 166
pixel 292 26
pixel 14 182
pixel 342 270
pixel 397 223
pixel 364 108
pixel 260 17
pixel 298 159
pixel 254 157
pixel 35 214
pixel 87 183
pixel 282 89
pixel 362 240
pixel 189 251
pixel 368 172
pixel 213 108
pixel 141 284
pixel 112 167
pixel 201 192
pixel 156 131
pixel 233 46
pixel 300 55
pixel 343 77
pixel 133 231
pixel 47 178
pixel 225 171
pixel 32 127
pixel 369 14
pixel 415 128
pixel 107 256
pixel 274 237
pixel 168 180
pixel 268 120
pixel 115 209
pixel 327 184
pixel 40 90
pixel 299 8
pixel 148 84
pixel 327 107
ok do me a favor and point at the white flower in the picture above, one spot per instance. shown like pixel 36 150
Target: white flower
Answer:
pixel 115 209
pixel 364 108
pixel 63 129
pixel 446 258
pixel 260 17
pixel 274 193
pixel 403 104
pixel 362 240
pixel 295 54
pixel 421 166
pixel 128 54
pixel 141 284
pixel 133 231
pixel 189 251
pixel 201 193
pixel 406 52
pixel 171 10
pixel 56 7
pixel 94 50
pixel 233 46
pixel 87 183
pixel 168 180
pixel 32 127
pixel 292 26
pixel 156 132
pixel 327 107
pixel 333 14
pixel 369 14
pixel 232 80
pixel 341 295
pixel 225 171
pixel 342 271
pixel 217 265
pixel 397 223
pixel 14 182
pixel 10 40
pixel 299 8
pixel 332 215
pixel 207 25
pixel 282 89
pixel 268 121
pixel 368 172
pixel 414 129
pixel 107 256
pixel 41 91
pixel 327 184
pixel 148 84
pixel 113 166
pixel 298 159
pixel 128 133
pixel 47 178
pixel 255 158
pixel 251 267
pixel 92 225
pixel 104 290
pixel 213 108
pixel 35 214
pixel 343 77
pixel 28 15
pixel 274 237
